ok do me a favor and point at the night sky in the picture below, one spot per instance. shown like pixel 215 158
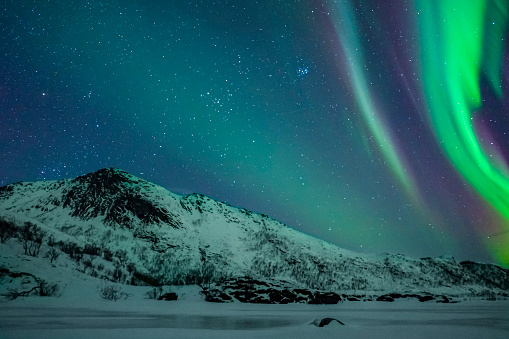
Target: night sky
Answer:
pixel 379 126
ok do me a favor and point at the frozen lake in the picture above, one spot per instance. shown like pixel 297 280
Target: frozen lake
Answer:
pixel 54 318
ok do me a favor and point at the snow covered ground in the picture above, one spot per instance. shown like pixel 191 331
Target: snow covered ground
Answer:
pixel 79 312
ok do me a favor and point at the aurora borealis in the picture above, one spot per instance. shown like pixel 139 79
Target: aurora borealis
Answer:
pixel 377 126
pixel 453 67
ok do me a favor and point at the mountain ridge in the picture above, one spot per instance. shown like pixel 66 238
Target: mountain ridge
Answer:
pixel 171 239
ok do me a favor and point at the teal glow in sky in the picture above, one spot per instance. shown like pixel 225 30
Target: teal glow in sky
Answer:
pixel 377 126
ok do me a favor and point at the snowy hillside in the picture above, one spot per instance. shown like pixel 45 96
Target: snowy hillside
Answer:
pixel 119 227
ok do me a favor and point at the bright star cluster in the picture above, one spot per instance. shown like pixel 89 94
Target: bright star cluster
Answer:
pixel 379 126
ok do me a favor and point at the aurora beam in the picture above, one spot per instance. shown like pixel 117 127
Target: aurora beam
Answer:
pixel 371 113
pixel 455 55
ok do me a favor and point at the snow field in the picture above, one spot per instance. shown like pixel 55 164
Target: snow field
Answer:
pixel 83 314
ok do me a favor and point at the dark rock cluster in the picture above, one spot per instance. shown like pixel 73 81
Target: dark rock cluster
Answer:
pixel 250 290
pixel 168 296
pixel 421 297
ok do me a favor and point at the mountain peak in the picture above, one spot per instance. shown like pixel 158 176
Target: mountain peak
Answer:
pixel 116 195
pixel 107 177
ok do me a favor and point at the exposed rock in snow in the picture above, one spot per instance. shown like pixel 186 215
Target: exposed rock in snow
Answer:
pixel 254 291
pixel 326 321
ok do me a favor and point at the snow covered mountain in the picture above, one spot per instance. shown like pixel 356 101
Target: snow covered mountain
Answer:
pixel 123 228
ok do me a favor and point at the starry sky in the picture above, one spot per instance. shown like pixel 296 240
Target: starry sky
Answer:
pixel 379 126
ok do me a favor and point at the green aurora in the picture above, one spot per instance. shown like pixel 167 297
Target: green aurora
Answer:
pixel 461 42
